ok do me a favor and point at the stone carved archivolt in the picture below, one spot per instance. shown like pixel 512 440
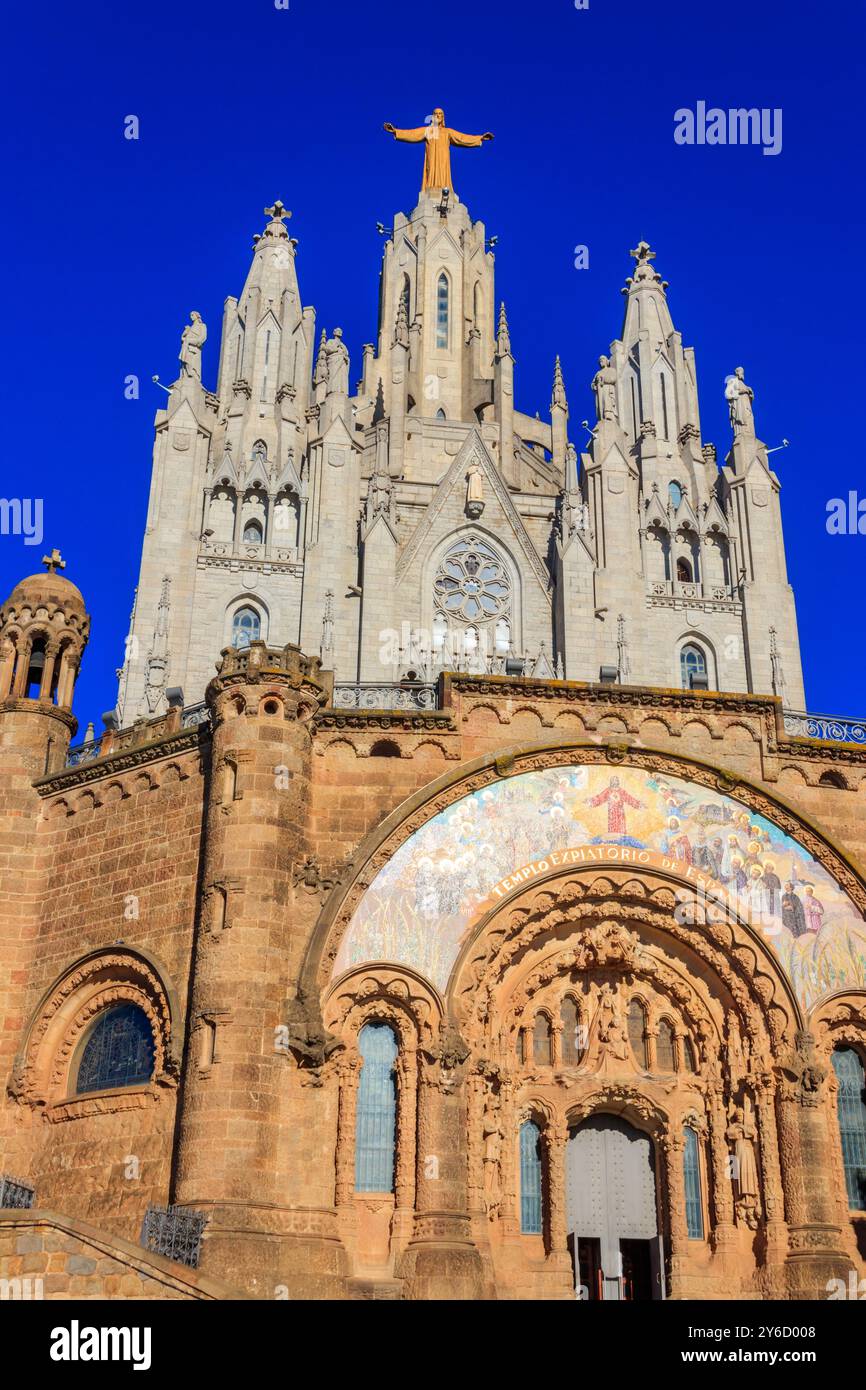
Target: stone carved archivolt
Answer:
pixel 43 1074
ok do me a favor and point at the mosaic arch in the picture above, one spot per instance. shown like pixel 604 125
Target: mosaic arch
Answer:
pixel 423 904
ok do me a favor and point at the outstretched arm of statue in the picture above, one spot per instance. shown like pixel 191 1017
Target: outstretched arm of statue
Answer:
pixel 411 137
pixel 458 138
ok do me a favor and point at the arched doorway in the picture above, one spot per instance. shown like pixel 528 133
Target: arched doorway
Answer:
pixel 612 1211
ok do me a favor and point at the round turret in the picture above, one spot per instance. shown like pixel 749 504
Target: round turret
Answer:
pixel 44 627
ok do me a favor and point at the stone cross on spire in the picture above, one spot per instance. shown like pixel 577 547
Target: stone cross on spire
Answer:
pixel 642 253
pixel 278 211
pixel 54 561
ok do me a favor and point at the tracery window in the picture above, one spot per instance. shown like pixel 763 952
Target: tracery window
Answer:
pixel 542 1042
pixel 246 627
pixel 666 1057
pixel 851 1113
pixel 530 1178
pixel 572 1049
pixel 119 1051
pixel 637 1032
pixel 472 583
pixel 692 1184
pixel 376 1115
pixel 693 662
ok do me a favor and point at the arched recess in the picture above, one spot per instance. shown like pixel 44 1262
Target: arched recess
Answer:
pixel 414 1011
pixel 44 1071
pixel 601 926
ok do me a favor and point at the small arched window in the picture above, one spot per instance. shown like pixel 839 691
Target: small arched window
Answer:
pixel 542 1042
pixel 637 1032
pixel 684 571
pixel 689 1055
pixel 530 1178
pixel 675 493
pixel 572 1049
pixel 376 1116
pixel 36 669
pixel 442 311
pixel 666 1055
pixel 851 1113
pixel 253 533
pixel 119 1051
pixel 440 414
pixel 692 1184
pixel 693 662
pixel 246 628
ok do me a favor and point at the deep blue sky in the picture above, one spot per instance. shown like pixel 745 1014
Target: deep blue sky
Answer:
pixel 108 244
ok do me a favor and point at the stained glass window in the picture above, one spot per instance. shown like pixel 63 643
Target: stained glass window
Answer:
pixel 692 662
pixel 851 1111
pixel 376 1117
pixel 442 311
pixel 118 1052
pixel 472 583
pixel 692 1181
pixel 530 1178
pixel 246 628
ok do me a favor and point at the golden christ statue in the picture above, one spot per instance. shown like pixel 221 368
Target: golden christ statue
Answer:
pixel 437 155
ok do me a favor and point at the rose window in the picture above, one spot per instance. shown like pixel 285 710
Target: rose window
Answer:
pixel 472 583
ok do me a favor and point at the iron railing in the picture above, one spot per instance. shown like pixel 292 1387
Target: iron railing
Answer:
pixel 14 1193
pixel 175 1232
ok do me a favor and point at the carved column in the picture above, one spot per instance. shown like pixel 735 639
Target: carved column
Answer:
pixel 51 653
pixel 344 1185
pixel 816 1245
pixel 19 685
pixel 406 1162
pixel 555 1142
pixel 672 1146
pixel 441 1260
pixel 724 1234
pixel 509 1162
pixel 775 1228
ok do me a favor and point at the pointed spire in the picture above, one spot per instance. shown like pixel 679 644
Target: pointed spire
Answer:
pixel 321 371
pixel 558 397
pixel 503 341
pixel 645 277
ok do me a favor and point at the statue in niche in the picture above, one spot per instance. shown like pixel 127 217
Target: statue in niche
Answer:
pixel 474 489
pixel 221 516
pixel 742 1133
pixel 492 1151
pixel 604 386
pixel 612 1035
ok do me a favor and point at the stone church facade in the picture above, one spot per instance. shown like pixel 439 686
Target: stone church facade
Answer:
pixel 458 903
